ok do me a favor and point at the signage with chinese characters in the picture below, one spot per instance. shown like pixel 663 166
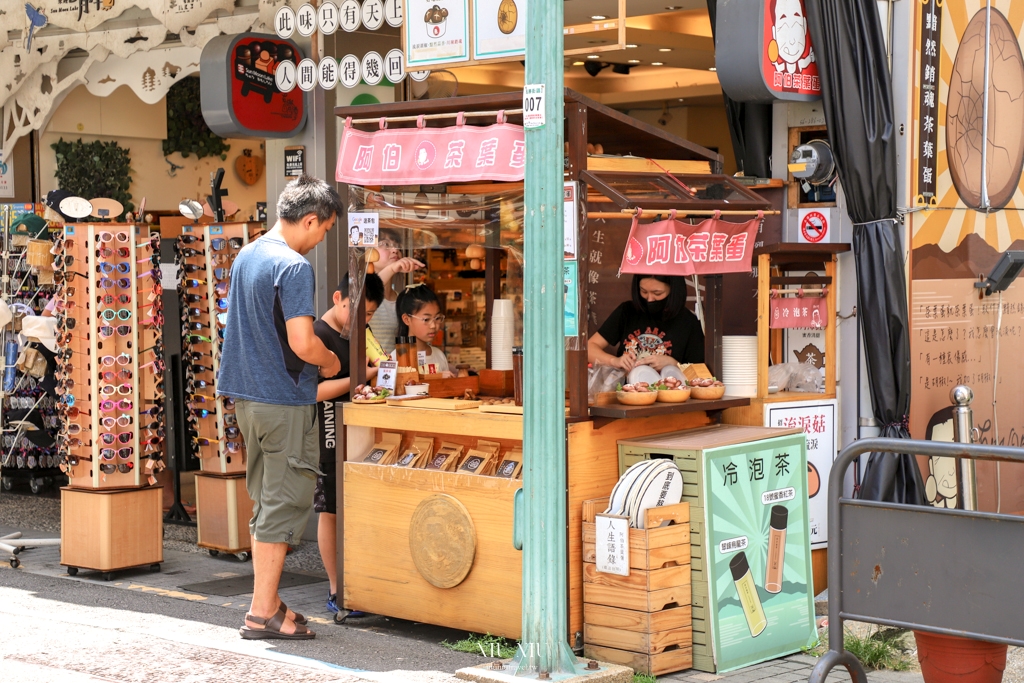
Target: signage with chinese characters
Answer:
pixel 414 156
pixel 327 73
pixel 570 292
pixel 348 71
pixel 818 420
pixel 499 28
pixel 611 544
pixel 294 161
pixel 533 106
pixel 387 372
pixel 801 311
pixel 437 32
pixel 372 68
pixel 765 51
pixel 363 228
pixel 814 226
pixel 306 73
pixel 249 88
pixel 928 102
pixel 758 555
pixel 671 247
pixel 6 176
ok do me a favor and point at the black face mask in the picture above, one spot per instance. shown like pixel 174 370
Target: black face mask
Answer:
pixel 655 307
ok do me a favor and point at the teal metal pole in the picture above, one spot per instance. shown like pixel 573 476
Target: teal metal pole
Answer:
pixel 544 649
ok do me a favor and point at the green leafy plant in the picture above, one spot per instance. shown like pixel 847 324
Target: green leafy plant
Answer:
pixel 884 648
pixel 94 169
pixel 644 678
pixel 187 132
pixel 485 645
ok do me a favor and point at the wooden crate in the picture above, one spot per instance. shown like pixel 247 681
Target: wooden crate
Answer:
pixel 643 620
pixel 109 529
pixel 223 508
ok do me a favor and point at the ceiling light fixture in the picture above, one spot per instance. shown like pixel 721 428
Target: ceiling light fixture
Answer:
pixel 578 63
pixel 631 45
pixel 664 49
pixel 591 56
pixel 673 8
pixel 657 63
pixel 598 17
pixel 713 69
pixel 634 61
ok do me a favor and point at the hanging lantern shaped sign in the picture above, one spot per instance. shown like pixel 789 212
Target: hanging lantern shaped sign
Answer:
pixel 373 14
pixel 327 73
pixel 305 20
pixel 349 15
pixel 394 12
pixel 307 74
pixel 248 85
pixel 327 18
pixel 373 68
pixel 348 71
pixel 284 22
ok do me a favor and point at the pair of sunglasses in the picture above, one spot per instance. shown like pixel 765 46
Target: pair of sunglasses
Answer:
pixel 107 268
pixel 123 467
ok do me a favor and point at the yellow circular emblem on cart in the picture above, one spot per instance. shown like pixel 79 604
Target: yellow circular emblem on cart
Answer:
pixel 442 540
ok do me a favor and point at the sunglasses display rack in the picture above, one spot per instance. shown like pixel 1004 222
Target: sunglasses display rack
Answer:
pixel 110 380
pixel 205 254
pixel 28 409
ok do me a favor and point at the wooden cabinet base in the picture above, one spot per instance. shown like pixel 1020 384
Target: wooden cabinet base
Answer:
pixel 223 509
pixel 653 665
pixel 107 530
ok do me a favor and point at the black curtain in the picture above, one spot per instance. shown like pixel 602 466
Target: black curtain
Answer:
pixel 857 97
pixel 750 126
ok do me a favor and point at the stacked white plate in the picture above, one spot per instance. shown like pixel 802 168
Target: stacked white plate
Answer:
pixel 503 328
pixel 647 484
pixel 739 365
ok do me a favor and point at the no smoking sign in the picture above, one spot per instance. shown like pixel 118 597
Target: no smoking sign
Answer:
pixel 814 226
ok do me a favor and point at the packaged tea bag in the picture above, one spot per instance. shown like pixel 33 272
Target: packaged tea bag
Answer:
pixel 384 450
pixel 474 461
pixel 446 458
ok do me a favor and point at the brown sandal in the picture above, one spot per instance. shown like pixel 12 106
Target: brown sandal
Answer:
pixel 299 619
pixel 272 629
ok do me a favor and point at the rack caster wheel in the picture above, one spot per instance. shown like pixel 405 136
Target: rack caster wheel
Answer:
pixel 339 617
pixel 213 553
pixel 154 568
pixel 35 485
pixel 108 576
pixel 7 483
pixel 72 571
pixel 243 556
pixel 15 563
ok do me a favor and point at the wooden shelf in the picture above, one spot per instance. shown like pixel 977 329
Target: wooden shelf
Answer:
pixel 620 411
pixel 467 422
pixel 786 396
pixel 800 248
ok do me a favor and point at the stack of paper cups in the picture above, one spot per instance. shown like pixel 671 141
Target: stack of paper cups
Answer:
pixel 503 327
pixel 739 365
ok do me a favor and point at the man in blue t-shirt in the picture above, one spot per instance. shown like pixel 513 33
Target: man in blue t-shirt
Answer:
pixel 269 365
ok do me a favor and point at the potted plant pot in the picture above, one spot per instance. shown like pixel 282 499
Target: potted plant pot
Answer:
pixel 948 659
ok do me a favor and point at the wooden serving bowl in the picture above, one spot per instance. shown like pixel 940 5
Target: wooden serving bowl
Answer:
pixel 708 393
pixel 674 395
pixel 636 398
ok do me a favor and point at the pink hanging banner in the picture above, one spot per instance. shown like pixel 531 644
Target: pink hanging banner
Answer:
pixel 669 247
pixel 413 156
pixel 809 312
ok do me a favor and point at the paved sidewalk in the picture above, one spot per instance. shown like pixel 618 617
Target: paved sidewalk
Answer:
pixel 792 669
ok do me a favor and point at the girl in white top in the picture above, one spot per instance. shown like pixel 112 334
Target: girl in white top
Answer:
pixel 420 317
pixel 384 323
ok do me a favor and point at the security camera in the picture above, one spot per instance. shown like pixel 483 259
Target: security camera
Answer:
pixel 665 117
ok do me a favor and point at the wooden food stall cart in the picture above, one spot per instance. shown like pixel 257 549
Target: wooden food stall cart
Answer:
pixel 435 545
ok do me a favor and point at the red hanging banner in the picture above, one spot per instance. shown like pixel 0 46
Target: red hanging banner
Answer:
pixel 414 156
pixel 669 247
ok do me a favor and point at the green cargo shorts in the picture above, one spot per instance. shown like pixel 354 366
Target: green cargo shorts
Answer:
pixel 282 446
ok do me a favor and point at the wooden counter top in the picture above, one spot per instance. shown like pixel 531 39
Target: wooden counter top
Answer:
pixel 467 422
pixel 621 411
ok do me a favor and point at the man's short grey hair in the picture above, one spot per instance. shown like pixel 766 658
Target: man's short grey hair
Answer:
pixel 308 195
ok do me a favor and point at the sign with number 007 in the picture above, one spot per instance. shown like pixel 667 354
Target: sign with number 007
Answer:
pixel 533 106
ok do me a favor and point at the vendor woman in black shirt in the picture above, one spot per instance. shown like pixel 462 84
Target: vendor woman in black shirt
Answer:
pixel 655 328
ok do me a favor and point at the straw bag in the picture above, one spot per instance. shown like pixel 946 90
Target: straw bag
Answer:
pixel 38 254
pixel 32 362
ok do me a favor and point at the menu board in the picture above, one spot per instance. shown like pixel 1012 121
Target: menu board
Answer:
pixel 436 31
pixel 499 28
pixel 758 555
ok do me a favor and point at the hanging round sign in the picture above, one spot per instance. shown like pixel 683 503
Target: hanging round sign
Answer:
pixel 348 71
pixel 394 66
pixel 284 22
pixel 284 76
pixel 373 14
pixel 348 15
pixel 75 207
pixel 307 74
pixel 394 12
pixel 305 20
pixel 327 73
pixel 419 76
pixel 373 68
pixel 327 18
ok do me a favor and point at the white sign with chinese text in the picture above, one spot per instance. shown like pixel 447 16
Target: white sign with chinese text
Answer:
pixel 612 544
pixel 570 205
pixel 819 420
pixel 437 32
pixel 387 372
pixel 284 22
pixel 533 106
pixel 362 228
